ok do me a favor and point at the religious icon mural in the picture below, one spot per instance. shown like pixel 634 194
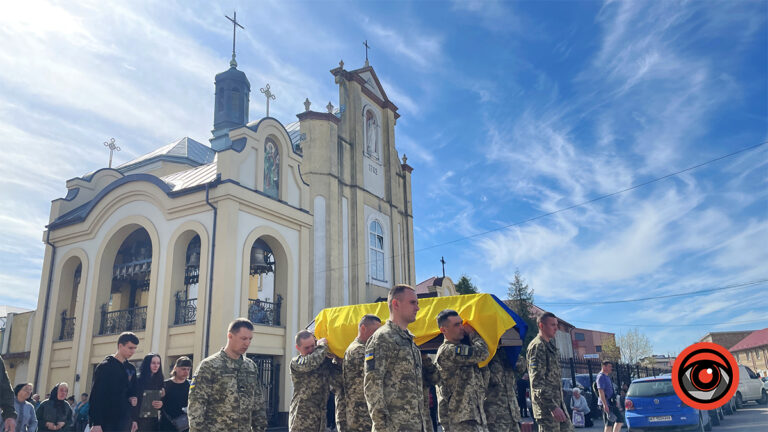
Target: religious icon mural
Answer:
pixel 371 134
pixel 271 168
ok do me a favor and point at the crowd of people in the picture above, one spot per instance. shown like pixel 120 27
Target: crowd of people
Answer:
pixel 382 383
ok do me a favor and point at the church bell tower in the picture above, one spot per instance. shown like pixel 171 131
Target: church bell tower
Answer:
pixel 231 101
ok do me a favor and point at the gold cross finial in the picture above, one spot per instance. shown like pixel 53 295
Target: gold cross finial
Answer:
pixel 112 148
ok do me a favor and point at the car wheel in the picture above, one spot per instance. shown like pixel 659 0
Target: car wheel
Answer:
pixel 763 399
pixel 739 401
pixel 714 418
pixel 728 408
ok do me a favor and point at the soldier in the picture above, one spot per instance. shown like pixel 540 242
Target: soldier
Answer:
pixel 225 394
pixel 462 388
pixel 431 378
pixel 310 374
pixel 544 371
pixel 501 407
pixel 393 375
pixel 352 410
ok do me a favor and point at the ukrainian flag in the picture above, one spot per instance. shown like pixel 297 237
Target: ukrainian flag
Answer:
pixel 484 312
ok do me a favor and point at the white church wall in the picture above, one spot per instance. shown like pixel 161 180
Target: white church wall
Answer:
pixel 345 248
pixel 91 246
pixel 320 247
pixel 248 168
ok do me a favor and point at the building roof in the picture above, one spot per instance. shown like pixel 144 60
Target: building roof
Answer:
pixel 423 287
pixel 185 150
pixel 755 339
pixel 295 134
pixel 191 177
pixel 537 312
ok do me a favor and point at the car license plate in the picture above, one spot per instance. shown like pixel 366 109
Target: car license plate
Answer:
pixel 660 418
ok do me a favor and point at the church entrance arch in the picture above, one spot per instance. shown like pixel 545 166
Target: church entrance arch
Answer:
pixel 70 282
pixel 124 281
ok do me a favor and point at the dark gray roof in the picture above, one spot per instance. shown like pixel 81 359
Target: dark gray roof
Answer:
pixel 185 150
pixel 295 134
pixel 191 177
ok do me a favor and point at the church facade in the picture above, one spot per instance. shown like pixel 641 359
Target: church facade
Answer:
pixel 270 221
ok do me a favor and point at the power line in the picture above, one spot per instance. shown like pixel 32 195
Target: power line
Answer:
pixel 670 325
pixel 564 209
pixel 685 294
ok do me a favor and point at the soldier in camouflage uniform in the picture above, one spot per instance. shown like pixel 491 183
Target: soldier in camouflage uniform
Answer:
pixel 546 386
pixel 352 411
pixel 393 382
pixel 462 388
pixel 501 408
pixel 311 375
pixel 225 394
pixel 431 376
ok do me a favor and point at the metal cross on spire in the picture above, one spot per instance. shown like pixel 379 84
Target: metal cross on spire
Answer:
pixel 367 47
pixel 442 260
pixel 112 148
pixel 235 25
pixel 269 96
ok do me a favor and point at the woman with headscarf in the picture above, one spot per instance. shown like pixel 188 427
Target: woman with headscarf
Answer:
pixel 176 397
pixel 150 381
pixel 54 414
pixel 26 419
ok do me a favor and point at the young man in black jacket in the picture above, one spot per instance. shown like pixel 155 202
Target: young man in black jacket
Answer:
pixel 113 392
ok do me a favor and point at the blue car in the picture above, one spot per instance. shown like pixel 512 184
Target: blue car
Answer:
pixel 652 406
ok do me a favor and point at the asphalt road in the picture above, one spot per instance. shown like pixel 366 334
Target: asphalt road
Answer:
pixel 751 418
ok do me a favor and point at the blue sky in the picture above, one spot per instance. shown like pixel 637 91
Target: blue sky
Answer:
pixel 509 110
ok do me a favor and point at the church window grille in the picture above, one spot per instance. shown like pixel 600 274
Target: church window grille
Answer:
pixel 235 101
pixel 271 168
pixel 376 251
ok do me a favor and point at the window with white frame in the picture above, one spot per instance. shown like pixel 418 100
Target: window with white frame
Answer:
pixel 376 251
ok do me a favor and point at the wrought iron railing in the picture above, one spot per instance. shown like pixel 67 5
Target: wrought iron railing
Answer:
pixel 67 327
pixel 264 312
pixel 133 319
pixel 186 310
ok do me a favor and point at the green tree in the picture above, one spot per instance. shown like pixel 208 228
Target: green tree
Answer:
pixel 521 296
pixel 465 286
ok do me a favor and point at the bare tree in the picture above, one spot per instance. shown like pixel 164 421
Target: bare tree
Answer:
pixel 611 351
pixel 634 346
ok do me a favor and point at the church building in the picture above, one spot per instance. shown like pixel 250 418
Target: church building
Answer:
pixel 272 221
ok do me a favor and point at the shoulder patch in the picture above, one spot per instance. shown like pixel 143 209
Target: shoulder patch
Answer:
pixel 370 362
pixel 464 350
pixel 301 360
pixel 192 383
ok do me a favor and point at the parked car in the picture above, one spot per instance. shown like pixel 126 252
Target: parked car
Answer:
pixel 750 388
pixel 765 382
pixel 652 405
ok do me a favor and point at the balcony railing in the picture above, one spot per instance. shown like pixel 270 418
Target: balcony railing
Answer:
pixel 265 313
pixel 67 327
pixel 133 319
pixel 186 310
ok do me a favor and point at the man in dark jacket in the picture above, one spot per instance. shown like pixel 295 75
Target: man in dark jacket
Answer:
pixel 113 392
pixel 6 400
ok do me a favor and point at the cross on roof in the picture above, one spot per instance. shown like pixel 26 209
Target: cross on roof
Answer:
pixel 442 260
pixel 367 47
pixel 112 148
pixel 235 25
pixel 269 96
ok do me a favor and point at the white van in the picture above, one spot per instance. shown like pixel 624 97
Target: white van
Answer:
pixel 750 388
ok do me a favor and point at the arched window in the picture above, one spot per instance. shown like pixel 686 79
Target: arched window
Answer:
pixel 271 168
pixel 371 134
pixel 376 251
pixel 235 101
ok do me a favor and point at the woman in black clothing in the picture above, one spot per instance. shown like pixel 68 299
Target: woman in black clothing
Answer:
pixel 150 378
pixel 54 414
pixel 176 394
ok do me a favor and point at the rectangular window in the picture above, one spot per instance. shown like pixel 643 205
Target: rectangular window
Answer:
pixel 598 348
pixel 578 336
